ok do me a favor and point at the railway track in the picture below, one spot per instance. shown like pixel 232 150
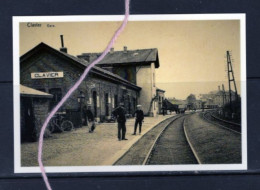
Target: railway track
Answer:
pixel 167 143
pixel 172 146
pixel 234 127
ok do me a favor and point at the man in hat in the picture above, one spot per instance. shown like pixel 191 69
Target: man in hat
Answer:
pixel 139 117
pixel 91 119
pixel 119 113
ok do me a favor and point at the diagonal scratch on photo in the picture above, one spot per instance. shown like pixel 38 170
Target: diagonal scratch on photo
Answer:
pixel 167 93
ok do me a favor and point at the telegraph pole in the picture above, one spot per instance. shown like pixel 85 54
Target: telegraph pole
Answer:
pixel 231 79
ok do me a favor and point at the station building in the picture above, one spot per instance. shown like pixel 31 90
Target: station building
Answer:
pixel 51 73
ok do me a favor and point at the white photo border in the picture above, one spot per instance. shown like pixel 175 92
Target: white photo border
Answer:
pixel 65 169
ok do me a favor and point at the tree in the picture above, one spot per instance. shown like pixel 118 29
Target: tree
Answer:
pixel 191 100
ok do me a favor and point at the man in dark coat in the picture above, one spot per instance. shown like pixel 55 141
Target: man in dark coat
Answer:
pixel 119 113
pixel 84 114
pixel 139 117
pixel 91 119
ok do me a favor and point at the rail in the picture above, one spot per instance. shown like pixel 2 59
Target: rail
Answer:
pixel 225 121
pixel 215 123
pixel 190 144
pixel 149 154
pixel 146 160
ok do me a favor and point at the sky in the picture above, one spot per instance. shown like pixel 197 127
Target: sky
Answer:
pixel 191 53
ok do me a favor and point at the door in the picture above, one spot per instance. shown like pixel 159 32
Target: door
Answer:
pixel 28 133
pixel 94 96
pixel 106 104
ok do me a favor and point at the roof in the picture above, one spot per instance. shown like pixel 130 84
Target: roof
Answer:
pixel 139 56
pixel 30 92
pixel 96 70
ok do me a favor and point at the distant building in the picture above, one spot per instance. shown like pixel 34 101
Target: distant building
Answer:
pixel 217 98
pixel 198 104
pixel 160 98
pixel 136 66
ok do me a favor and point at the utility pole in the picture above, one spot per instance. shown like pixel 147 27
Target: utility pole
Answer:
pixel 231 79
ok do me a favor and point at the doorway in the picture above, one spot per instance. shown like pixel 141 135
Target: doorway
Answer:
pixel 28 132
pixel 106 104
pixel 94 96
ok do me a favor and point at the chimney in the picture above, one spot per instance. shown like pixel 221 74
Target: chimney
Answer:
pixel 125 49
pixel 63 49
pixel 111 50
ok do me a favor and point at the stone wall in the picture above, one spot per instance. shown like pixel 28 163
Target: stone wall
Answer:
pixel 40 110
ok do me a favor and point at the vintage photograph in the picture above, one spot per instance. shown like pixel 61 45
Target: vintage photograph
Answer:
pixel 169 96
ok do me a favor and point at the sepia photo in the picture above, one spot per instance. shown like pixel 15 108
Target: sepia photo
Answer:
pixel 169 96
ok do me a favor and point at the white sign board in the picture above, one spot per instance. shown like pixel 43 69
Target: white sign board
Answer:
pixel 44 75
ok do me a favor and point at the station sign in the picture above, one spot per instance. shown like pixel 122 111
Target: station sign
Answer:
pixel 44 75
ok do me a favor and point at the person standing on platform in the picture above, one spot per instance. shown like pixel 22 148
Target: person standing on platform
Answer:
pixel 139 117
pixel 119 113
pixel 84 113
pixel 91 119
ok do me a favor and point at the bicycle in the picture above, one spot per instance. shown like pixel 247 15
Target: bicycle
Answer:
pixel 59 122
